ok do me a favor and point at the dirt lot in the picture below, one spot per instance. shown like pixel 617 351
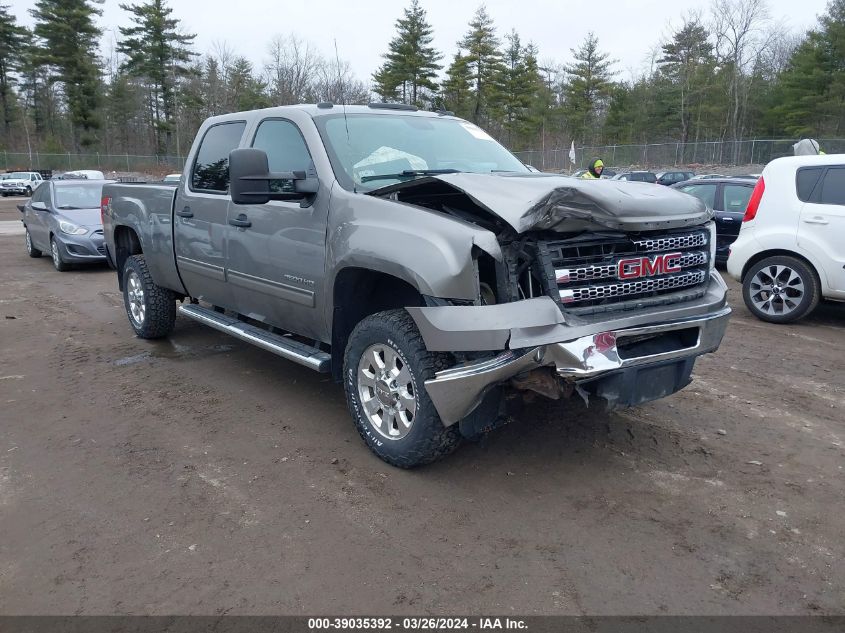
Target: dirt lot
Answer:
pixel 201 475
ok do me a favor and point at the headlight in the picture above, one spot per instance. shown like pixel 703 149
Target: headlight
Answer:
pixel 71 229
pixel 712 245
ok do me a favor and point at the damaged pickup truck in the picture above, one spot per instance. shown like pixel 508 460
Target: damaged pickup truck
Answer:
pixel 416 260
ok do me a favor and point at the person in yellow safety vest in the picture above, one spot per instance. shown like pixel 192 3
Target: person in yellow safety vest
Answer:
pixel 594 170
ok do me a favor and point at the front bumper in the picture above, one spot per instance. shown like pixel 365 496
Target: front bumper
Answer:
pixel 13 191
pixel 625 366
pixel 81 248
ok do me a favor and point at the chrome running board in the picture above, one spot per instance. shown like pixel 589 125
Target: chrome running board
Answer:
pixel 284 346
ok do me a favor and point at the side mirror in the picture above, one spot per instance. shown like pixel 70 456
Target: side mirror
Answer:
pixel 39 206
pixel 250 178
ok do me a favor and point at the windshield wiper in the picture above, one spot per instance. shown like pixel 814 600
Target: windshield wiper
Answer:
pixel 410 173
pixel 68 206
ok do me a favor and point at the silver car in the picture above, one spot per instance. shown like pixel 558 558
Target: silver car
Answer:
pixel 63 218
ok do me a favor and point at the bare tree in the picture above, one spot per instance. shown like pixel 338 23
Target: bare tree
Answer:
pixel 291 69
pixel 738 27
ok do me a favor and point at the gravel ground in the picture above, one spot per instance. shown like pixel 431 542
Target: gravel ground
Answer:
pixel 201 475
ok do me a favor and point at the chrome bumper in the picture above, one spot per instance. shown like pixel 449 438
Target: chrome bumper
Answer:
pixel 457 391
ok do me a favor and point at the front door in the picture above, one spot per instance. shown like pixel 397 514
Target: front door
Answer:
pixel 36 221
pixel 200 216
pixel 276 251
pixel 822 226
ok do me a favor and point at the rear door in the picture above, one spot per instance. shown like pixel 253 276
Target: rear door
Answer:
pixel 822 226
pixel 731 201
pixel 200 215
pixel 276 263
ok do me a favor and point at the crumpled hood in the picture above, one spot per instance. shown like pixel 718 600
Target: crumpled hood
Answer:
pixel 561 203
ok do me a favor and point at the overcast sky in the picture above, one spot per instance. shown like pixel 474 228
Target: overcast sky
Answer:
pixel 626 29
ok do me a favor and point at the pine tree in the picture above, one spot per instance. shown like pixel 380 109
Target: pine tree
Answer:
pixel 483 60
pixel 68 48
pixel 12 44
pixel 157 53
pixel 587 89
pixel 810 95
pixel 456 93
pixel 519 85
pixel 411 60
pixel 248 92
pixel 687 63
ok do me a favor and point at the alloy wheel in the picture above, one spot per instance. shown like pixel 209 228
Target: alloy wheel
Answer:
pixel 387 391
pixel 135 295
pixel 776 290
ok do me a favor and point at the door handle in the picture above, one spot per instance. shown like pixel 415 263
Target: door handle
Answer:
pixel 241 221
pixel 185 213
pixel 816 220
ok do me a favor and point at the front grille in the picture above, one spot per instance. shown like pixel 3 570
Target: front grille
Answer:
pixel 615 273
pixel 101 249
pixel 625 289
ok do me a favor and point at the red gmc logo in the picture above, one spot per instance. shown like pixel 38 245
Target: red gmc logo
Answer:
pixel 648 267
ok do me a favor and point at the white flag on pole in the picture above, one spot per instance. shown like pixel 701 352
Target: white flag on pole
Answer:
pixel 572 153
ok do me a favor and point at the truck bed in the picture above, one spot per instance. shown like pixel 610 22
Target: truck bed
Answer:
pixel 147 210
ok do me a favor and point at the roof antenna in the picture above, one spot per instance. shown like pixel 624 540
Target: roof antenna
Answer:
pixel 343 101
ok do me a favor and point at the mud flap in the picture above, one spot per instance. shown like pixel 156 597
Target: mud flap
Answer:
pixel 636 385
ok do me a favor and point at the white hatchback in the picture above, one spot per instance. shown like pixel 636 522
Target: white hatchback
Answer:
pixel 791 248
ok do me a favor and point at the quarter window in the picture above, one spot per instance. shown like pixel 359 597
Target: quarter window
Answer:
pixel 833 186
pixel 806 181
pixel 211 167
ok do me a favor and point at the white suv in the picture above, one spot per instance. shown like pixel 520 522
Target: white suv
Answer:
pixel 791 248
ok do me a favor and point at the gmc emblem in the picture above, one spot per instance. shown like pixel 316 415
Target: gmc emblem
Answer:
pixel 647 267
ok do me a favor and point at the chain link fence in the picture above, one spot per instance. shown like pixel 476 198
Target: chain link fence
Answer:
pixel 25 161
pixel 654 155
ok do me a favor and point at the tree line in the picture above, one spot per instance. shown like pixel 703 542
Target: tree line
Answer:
pixel 728 73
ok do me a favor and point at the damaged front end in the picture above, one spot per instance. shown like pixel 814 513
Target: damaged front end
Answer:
pixel 602 288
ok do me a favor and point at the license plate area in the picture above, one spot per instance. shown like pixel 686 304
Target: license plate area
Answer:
pixel 652 344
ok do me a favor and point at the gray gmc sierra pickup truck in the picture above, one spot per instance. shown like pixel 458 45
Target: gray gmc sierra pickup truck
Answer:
pixel 415 259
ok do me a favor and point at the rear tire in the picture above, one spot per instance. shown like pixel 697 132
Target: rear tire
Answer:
pixel 385 368
pixel 151 309
pixel 30 249
pixel 781 289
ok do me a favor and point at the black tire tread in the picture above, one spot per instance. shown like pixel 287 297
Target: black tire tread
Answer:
pixel 33 252
pixel 160 317
pixel 813 285
pixel 63 266
pixel 441 440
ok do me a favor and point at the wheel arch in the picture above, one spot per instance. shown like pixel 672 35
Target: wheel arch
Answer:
pixel 358 293
pixel 780 252
pixel 126 244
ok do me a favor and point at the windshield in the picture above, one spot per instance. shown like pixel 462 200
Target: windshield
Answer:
pixel 23 175
pixel 81 196
pixel 382 150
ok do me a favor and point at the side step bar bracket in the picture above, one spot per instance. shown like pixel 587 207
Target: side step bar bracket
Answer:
pixel 283 346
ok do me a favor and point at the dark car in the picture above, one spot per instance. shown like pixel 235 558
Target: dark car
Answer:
pixel 637 176
pixel 728 197
pixel 63 219
pixel 672 177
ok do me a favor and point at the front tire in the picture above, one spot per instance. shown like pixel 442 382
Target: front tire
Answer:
pixel 781 289
pixel 151 309
pixel 56 254
pixel 30 249
pixel 29 192
pixel 385 368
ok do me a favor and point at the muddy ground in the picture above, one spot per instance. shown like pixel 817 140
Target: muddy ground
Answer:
pixel 201 475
